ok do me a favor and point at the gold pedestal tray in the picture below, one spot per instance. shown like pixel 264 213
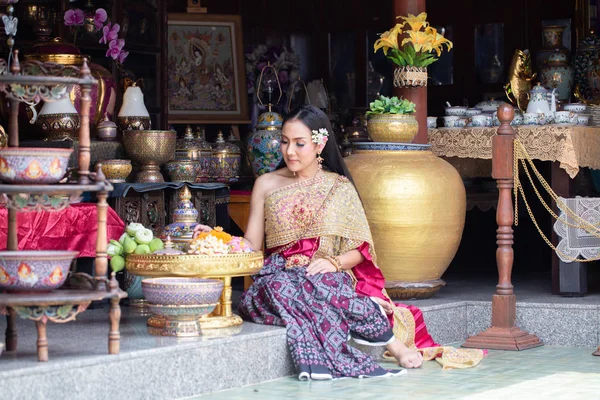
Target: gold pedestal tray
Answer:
pixel 181 320
pixel 199 266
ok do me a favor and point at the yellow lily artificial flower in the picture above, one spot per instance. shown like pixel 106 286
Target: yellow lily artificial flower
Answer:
pixel 438 41
pixel 416 23
pixel 388 39
pixel 421 41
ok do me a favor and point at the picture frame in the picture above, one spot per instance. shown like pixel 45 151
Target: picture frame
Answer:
pixel 206 79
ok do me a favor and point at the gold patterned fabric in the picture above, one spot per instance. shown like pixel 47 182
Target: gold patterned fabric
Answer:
pixel 572 146
pixel 310 209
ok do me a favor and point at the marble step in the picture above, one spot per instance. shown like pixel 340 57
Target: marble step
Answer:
pixel 148 367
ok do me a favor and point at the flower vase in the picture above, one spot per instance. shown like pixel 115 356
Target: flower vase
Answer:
pixel 557 73
pixel 263 144
pixel 394 128
pixel 133 115
pixel 59 120
pixel 410 77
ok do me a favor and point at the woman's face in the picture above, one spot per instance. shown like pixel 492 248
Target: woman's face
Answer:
pixel 297 146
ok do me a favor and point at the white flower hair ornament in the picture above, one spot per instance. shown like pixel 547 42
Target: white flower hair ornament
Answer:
pixel 320 136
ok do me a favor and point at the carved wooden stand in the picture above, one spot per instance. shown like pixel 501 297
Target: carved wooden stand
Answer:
pixel 504 335
pixel 58 306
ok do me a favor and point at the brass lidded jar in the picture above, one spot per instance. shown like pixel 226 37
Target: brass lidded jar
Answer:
pixel 225 162
pixel 192 148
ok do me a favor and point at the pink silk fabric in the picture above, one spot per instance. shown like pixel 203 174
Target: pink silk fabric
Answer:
pixel 73 228
pixel 370 282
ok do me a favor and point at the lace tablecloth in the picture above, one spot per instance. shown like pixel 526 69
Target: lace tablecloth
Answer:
pixel 572 146
pixel 575 242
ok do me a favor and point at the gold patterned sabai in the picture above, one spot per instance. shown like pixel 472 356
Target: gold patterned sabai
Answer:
pixel 291 213
pixel 572 146
pixel 195 265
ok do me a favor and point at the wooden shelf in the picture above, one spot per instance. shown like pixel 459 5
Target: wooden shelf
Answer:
pixel 57 189
pixel 41 80
pixel 57 297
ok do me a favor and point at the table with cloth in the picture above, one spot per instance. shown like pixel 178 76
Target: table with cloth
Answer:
pixel 568 148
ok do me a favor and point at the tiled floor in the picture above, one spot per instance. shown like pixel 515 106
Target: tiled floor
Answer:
pixel 543 373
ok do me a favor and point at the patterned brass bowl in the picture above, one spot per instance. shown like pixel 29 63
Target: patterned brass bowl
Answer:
pixel 195 265
pixel 116 171
pixel 150 149
pixel 397 128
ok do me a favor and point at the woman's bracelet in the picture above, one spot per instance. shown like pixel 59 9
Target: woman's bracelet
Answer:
pixel 335 261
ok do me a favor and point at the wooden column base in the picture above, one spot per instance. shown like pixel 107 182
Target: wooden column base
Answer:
pixel 503 335
pixel 494 338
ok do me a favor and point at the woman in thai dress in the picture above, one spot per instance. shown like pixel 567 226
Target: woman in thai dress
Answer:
pixel 320 278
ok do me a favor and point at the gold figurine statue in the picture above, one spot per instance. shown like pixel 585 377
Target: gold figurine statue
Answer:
pixel 520 76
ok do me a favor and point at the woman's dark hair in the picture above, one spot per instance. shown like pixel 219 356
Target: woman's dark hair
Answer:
pixel 314 119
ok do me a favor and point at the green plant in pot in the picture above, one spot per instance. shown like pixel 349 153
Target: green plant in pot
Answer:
pixel 392 120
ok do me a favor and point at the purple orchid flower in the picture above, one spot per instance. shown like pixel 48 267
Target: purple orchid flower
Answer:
pixel 100 18
pixel 114 48
pixel 110 33
pixel 123 55
pixel 74 17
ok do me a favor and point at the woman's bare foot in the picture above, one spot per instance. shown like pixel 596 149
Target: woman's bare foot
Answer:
pixel 406 357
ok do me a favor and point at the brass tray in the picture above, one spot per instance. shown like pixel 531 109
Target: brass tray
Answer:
pixel 195 265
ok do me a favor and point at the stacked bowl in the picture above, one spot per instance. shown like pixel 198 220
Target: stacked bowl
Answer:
pixel 182 302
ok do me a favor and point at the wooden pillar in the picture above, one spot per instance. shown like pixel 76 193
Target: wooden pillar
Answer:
pixel 84 129
pixel 416 95
pixel 504 335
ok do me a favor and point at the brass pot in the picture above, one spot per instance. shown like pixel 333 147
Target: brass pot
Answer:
pixel 415 204
pixel 150 149
pixel 59 126
pixel 134 123
pixel 396 128
pixel 116 171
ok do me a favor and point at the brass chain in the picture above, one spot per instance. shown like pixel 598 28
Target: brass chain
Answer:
pixel 521 155
pixel 586 226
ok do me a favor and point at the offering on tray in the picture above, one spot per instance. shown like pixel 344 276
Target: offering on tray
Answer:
pixel 135 240
pixel 218 242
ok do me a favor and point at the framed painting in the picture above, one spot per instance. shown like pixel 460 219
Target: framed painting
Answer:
pixel 206 82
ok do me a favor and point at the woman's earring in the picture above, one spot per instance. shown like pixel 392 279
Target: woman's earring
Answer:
pixel 320 160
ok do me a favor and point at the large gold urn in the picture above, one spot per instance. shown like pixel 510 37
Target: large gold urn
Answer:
pixel 415 204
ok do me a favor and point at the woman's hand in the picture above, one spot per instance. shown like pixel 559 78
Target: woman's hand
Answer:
pixel 320 266
pixel 201 228
pixel 387 307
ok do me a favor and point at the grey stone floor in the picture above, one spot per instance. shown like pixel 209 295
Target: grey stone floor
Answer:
pixel 235 357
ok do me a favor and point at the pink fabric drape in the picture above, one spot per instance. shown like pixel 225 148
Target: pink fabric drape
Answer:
pixel 73 228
